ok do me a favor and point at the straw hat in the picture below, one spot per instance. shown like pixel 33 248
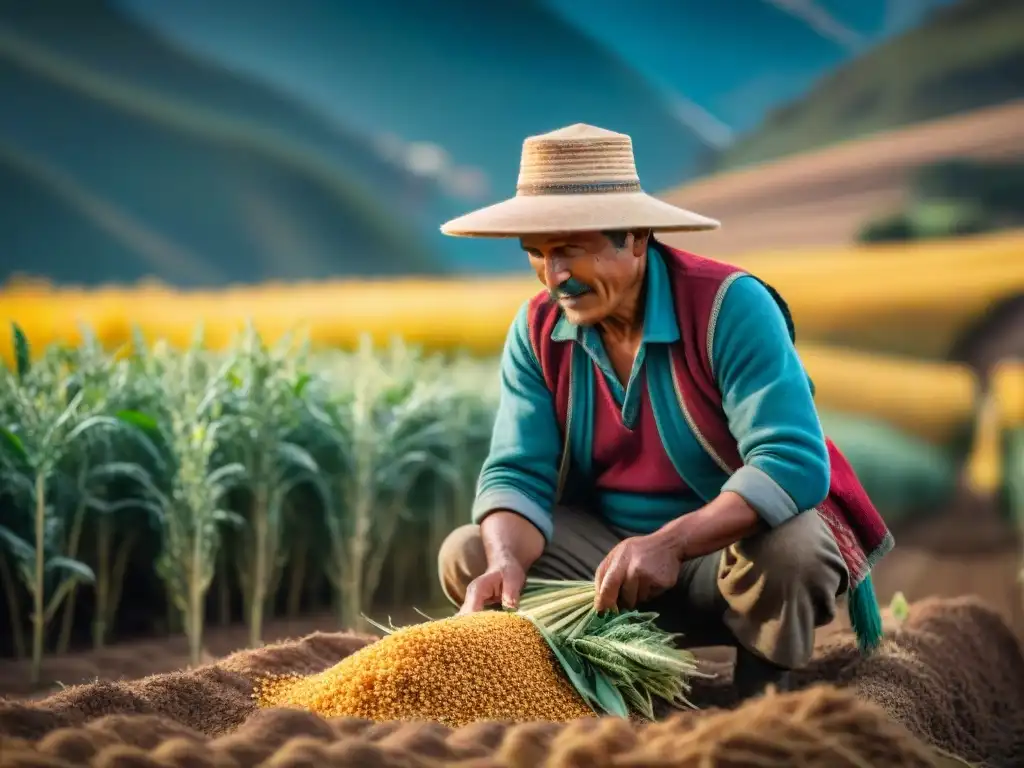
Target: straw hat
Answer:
pixel 578 178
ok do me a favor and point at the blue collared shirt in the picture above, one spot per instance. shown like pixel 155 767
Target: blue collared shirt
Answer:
pixel 766 394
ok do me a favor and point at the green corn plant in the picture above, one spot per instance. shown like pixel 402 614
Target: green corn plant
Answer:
pixel 186 422
pixel 47 418
pixel 263 411
pixel 123 496
pixel 16 555
pixel 439 503
pixel 118 526
pixel 97 463
pixel 303 542
pixel 384 429
pixel 619 662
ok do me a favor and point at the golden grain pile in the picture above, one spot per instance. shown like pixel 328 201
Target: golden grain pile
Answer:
pixel 485 666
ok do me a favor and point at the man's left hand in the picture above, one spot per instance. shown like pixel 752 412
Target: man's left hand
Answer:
pixel 636 570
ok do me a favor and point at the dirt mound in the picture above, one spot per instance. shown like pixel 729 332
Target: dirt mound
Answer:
pixel 818 727
pixel 953 676
pixel 212 699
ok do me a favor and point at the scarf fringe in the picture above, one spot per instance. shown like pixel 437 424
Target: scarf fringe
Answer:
pixel 865 615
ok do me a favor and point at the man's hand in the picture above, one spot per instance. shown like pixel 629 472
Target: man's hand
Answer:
pixel 636 570
pixel 512 544
pixel 501 583
pixel 641 567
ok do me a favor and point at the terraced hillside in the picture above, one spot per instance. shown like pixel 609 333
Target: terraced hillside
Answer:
pixel 823 197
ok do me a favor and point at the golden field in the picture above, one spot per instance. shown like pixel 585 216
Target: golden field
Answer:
pixel 908 299
pixel 1008 392
pixel 913 298
pixel 935 401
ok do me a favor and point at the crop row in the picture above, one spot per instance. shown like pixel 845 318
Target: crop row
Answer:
pixel 241 465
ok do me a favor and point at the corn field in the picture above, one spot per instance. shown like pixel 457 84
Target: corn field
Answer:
pixel 154 488
pixel 247 481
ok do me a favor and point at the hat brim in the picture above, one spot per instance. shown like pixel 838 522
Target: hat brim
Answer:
pixel 544 214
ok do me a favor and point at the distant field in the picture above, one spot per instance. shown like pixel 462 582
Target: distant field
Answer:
pixel 823 197
pixel 930 293
pixel 909 299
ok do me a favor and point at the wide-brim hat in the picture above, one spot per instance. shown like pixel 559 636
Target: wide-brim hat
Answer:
pixel 577 179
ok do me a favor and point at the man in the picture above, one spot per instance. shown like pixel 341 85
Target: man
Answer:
pixel 657 431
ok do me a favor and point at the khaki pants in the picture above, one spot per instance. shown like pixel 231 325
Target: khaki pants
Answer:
pixel 767 593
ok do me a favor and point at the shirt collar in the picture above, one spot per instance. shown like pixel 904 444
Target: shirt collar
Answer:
pixel 660 324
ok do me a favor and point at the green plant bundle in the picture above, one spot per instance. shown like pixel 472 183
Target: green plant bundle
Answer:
pixel 618 662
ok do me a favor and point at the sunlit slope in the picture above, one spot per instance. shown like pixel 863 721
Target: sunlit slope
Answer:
pixel 905 299
pixel 914 299
pixel 823 197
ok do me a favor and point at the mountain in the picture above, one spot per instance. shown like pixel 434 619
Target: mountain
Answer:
pixel 964 56
pixel 245 173
pixel 472 78
pixel 727 63
pixel 123 157
pixel 251 140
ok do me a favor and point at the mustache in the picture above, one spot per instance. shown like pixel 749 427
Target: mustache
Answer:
pixel 569 287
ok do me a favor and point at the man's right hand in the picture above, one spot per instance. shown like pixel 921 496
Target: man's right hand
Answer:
pixel 512 544
pixel 501 583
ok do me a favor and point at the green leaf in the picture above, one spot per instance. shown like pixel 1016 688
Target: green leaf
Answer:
pixel 138 419
pixel 617 661
pixel 86 426
pixel 574 669
pixel 21 549
pixel 75 567
pixel 610 698
pixel 22 355
pixel 113 470
pixel 228 517
pixel 226 477
pixel 594 686
pixel 14 443
pixel 297 456
pixel 638 701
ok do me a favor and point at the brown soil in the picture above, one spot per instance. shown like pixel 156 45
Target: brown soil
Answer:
pixel 984 563
pixel 952 676
pixel 823 197
pixel 968 549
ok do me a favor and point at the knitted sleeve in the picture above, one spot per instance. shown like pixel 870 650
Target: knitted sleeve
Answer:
pixel 767 397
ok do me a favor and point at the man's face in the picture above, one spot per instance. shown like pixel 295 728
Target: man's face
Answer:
pixel 585 272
